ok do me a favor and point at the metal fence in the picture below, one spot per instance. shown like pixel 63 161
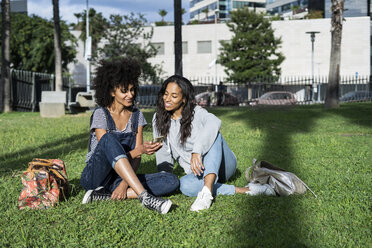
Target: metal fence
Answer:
pixel 27 86
pixel 305 88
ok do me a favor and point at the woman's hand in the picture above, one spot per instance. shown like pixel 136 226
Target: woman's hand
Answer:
pixel 197 166
pixel 120 193
pixel 149 147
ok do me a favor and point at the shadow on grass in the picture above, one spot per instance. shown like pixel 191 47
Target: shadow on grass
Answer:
pixel 19 160
pixel 277 148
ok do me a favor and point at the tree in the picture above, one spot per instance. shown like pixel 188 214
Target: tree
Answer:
pixel 97 26
pixel 206 12
pixel 32 40
pixel 126 37
pixel 332 94
pixel 177 37
pixel 5 91
pixel 57 47
pixel 252 52
pixel 162 13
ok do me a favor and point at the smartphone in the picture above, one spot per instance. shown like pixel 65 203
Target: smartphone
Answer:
pixel 158 139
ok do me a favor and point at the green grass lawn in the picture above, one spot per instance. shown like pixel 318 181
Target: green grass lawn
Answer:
pixel 330 150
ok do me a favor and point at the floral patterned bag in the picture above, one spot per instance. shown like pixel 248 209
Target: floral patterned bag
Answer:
pixel 44 184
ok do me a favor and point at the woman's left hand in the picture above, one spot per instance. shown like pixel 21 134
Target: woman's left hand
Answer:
pixel 197 166
pixel 120 193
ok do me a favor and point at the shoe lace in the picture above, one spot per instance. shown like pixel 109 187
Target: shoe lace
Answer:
pixel 99 197
pixel 150 201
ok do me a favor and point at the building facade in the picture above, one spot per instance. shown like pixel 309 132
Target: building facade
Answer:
pixel 204 10
pixel 353 8
pixel 202 42
pixel 18 6
pixel 285 8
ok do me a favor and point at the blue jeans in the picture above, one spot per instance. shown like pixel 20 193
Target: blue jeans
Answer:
pixel 219 160
pixel 99 170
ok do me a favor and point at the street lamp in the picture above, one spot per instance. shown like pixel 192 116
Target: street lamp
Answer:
pixel 88 47
pixel 312 36
pixel 215 47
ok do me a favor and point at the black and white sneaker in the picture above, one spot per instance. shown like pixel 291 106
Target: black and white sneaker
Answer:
pixel 155 203
pixel 98 194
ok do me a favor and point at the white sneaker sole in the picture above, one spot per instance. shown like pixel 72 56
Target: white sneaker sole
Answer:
pixel 86 198
pixel 166 206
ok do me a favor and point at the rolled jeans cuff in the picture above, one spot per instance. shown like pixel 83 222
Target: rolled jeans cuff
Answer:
pixel 116 160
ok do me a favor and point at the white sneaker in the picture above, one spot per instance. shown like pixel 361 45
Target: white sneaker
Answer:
pixel 203 200
pixel 259 189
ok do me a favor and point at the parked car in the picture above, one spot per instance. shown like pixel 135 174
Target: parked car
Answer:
pixel 220 99
pixel 357 96
pixel 275 98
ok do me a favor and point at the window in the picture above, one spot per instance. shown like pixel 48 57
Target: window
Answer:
pixel 204 46
pixel 185 49
pixel 159 46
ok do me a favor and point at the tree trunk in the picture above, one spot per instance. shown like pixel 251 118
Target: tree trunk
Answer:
pixel 57 46
pixel 178 37
pixel 332 94
pixel 5 89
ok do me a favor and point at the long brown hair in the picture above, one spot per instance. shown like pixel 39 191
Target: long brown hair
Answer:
pixel 163 117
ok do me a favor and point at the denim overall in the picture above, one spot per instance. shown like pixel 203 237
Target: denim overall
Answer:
pixel 113 146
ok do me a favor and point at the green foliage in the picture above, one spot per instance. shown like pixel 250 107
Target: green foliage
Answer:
pixel 97 26
pixel 253 50
pixel 161 23
pixel 162 13
pixel 126 37
pixel 32 43
pixel 328 149
pixel 315 14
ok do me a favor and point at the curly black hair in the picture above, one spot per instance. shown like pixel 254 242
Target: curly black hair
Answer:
pixel 163 117
pixel 111 74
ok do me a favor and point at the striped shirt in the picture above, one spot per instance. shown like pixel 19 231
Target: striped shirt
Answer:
pixel 99 121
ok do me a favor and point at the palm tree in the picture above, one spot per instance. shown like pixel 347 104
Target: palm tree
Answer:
pixel 206 11
pixel 5 103
pixel 57 47
pixel 162 13
pixel 332 94
pixel 78 16
pixel 177 37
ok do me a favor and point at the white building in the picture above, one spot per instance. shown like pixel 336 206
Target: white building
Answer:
pixel 200 41
pixel 198 8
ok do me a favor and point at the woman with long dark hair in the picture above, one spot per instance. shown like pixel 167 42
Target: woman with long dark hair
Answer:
pixel 192 137
pixel 116 142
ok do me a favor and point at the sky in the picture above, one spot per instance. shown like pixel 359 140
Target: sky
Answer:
pixel 67 8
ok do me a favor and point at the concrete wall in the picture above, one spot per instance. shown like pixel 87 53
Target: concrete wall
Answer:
pixel 296 47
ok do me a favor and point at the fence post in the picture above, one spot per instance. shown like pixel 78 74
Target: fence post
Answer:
pixel 52 82
pixel 11 88
pixel 69 91
pixel 33 91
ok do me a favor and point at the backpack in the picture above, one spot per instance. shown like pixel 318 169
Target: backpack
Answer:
pixel 45 183
pixel 283 182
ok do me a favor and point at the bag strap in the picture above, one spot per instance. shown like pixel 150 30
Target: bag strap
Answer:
pixel 37 165
pixel 109 120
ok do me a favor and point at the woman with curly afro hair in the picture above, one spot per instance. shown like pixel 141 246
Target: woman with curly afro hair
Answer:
pixel 116 142
pixel 193 139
